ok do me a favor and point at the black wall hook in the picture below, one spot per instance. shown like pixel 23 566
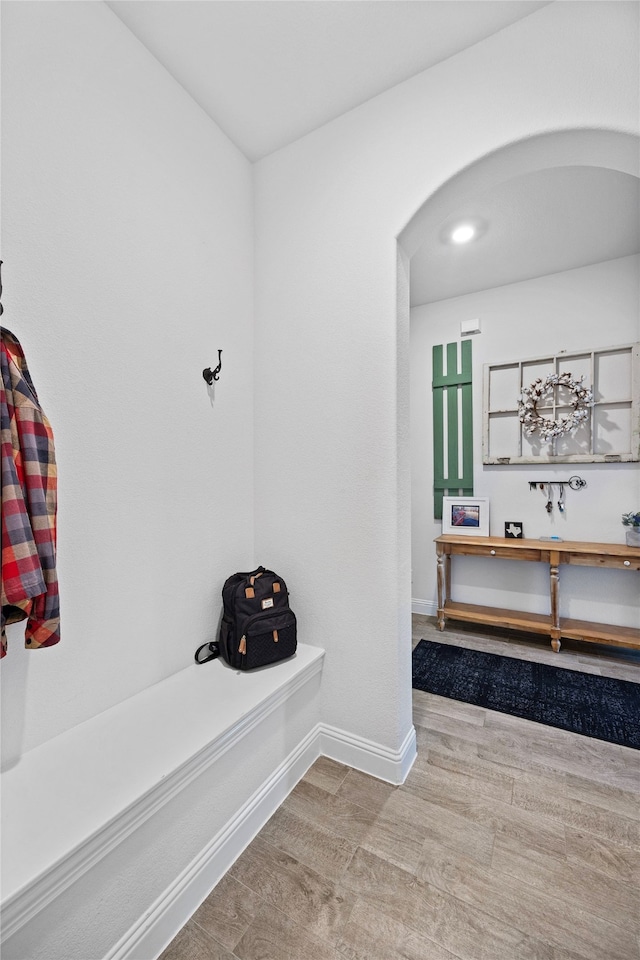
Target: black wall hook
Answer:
pixel 1 307
pixel 211 375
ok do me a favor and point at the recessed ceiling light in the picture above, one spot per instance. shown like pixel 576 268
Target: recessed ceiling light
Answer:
pixel 463 234
pixel 458 230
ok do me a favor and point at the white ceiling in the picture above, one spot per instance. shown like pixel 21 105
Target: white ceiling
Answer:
pixel 270 71
pixel 545 222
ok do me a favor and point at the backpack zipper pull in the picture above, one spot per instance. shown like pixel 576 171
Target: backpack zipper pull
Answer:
pixel 243 645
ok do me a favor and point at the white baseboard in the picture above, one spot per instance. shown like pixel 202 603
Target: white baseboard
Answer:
pixel 151 933
pixel 372 758
pixel 427 608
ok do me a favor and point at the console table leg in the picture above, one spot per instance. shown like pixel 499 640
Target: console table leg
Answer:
pixel 554 571
pixel 441 589
pixel 447 576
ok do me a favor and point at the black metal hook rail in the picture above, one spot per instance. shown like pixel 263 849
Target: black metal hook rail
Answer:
pixel 574 483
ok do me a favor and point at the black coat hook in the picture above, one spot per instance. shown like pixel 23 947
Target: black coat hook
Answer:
pixel 211 375
pixel 1 307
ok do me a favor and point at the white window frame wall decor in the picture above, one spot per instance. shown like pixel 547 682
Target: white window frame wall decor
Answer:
pixel 609 434
pixel 449 506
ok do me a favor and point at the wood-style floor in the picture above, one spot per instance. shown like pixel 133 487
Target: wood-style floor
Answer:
pixel 509 841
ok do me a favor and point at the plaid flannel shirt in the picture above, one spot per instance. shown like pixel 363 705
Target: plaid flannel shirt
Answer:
pixel 29 503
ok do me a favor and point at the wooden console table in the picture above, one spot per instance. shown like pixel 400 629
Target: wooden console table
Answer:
pixel 555 553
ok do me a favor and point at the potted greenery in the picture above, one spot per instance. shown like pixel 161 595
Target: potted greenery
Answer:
pixel 632 521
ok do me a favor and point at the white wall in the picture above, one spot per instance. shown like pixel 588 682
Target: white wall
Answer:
pixel 584 309
pixel 332 436
pixel 127 235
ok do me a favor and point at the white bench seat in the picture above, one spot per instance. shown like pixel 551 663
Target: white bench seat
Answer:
pixel 69 802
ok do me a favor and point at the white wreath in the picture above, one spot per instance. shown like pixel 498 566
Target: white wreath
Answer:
pixel 582 399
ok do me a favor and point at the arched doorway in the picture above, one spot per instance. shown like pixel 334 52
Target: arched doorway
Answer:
pixel 608 150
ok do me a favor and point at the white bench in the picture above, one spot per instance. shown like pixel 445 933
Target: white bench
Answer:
pixel 163 791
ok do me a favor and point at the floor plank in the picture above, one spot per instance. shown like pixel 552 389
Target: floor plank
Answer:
pixel 293 888
pixel 453 923
pixel 595 820
pixel 373 935
pixel 538 913
pixel 228 912
pixel 327 774
pixel 596 892
pixel 192 943
pixel 365 791
pixel 336 812
pixel 323 850
pixel 274 936
pixel 620 863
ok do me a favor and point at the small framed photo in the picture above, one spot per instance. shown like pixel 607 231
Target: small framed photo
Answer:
pixel 468 516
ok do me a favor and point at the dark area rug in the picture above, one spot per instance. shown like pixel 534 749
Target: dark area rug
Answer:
pixel 594 706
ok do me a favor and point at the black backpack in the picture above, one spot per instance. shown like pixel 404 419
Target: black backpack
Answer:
pixel 258 626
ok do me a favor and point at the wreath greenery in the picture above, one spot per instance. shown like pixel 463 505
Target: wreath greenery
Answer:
pixel 581 400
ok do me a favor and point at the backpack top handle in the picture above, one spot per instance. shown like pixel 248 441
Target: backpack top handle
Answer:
pixel 214 652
